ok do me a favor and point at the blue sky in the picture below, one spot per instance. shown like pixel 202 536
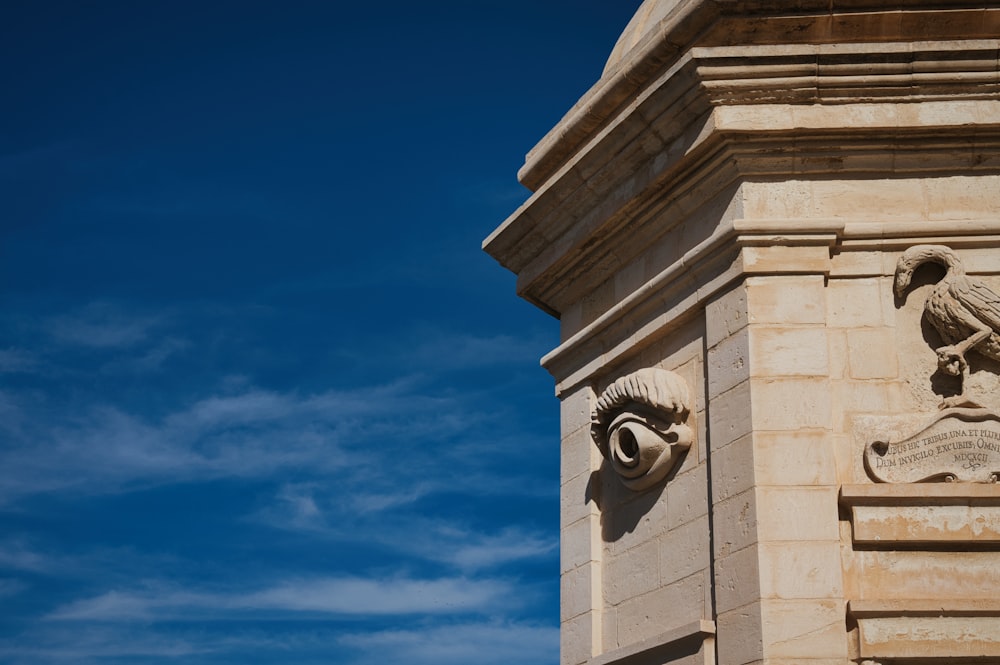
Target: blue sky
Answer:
pixel 262 397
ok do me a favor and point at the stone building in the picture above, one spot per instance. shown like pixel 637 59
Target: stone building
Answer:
pixel 770 233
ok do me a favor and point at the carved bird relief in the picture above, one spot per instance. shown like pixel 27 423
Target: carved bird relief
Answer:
pixel 964 311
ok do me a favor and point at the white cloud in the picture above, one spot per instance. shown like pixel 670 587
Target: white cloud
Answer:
pixel 252 434
pixel 16 555
pixel 505 547
pixel 351 596
pixel 306 507
pixel 484 644
pixel 375 437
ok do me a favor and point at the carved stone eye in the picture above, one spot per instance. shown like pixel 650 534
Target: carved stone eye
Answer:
pixel 639 425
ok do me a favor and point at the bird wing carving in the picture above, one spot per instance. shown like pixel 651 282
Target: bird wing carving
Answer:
pixel 980 300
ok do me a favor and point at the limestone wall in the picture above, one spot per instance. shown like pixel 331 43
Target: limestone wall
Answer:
pixel 732 203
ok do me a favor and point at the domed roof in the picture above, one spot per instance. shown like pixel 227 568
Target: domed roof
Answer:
pixel 649 14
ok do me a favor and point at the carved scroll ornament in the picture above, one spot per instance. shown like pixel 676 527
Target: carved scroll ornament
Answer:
pixel 640 426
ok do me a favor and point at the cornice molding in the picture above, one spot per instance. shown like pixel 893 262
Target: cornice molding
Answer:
pixel 738 22
pixel 724 114
pixel 735 251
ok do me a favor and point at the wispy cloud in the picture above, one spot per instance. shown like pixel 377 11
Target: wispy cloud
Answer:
pixel 255 433
pixel 100 325
pixel 17 555
pixel 307 508
pixel 16 360
pixel 448 350
pixel 11 587
pixel 434 640
pixel 460 644
pixel 352 596
pixel 97 644
pixel 475 551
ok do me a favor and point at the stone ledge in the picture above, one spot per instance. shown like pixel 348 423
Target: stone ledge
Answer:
pixel 695 633
pixel 927 630
pixel 920 494
pixel 925 514
pixel 873 609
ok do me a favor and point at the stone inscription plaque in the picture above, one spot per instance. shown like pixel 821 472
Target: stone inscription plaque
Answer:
pixel 961 444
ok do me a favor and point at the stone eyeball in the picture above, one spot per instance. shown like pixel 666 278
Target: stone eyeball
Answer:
pixel 640 426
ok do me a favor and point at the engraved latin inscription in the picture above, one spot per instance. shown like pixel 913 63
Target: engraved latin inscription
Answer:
pixel 961 444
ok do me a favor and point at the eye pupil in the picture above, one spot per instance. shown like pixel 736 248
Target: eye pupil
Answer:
pixel 627 443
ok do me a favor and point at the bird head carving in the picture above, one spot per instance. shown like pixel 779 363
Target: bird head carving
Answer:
pixel 916 256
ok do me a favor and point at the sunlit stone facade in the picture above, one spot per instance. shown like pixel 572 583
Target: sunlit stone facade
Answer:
pixel 732 204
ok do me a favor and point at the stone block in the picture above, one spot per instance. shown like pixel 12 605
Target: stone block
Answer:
pixel 609 629
pixel 813 259
pixel 836 344
pixel 665 608
pixel 961 196
pixel 735 523
pixel 803 457
pixel 737 579
pixel 859 397
pixel 883 525
pixel 730 416
pixel 632 573
pixel 901 575
pixel 890 516
pixel 684 551
pixel 636 522
pixel 739 639
pixel 687 497
pixel 872 354
pixel 728 363
pixel 733 469
pixel 945 638
pixel 786 299
pixel 578 455
pixel 725 315
pixel 630 278
pixel 797 513
pixel 857 199
pixel 579 543
pixel 597 301
pixel 574 501
pixel 856 264
pixel 577 640
pixel 790 404
pixel 575 409
pixel 800 570
pixel 804 629
pixel 570 321
pixel 782 351
pixel 854 303
pixel 579 591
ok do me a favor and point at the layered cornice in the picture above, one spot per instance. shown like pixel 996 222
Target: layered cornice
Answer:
pixel 721 95
pixel 719 114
